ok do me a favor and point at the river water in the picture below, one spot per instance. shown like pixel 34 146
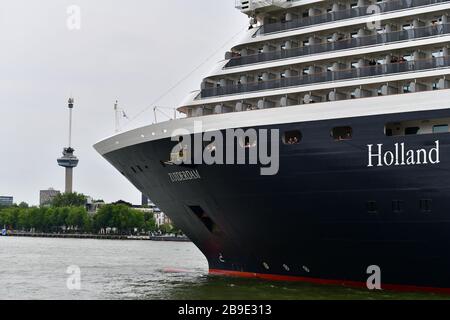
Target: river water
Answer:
pixel 36 268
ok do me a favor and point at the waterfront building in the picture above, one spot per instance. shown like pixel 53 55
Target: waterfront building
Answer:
pixel 161 218
pixel 46 196
pixel 92 206
pixel 6 201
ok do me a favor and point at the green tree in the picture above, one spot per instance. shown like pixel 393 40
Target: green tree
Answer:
pixel 69 200
pixel 149 222
pixel 75 219
pixel 10 217
pixel 23 205
pixel 165 228
pixel 102 218
pixel 119 216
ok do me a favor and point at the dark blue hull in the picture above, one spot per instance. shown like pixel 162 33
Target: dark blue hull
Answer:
pixel 326 215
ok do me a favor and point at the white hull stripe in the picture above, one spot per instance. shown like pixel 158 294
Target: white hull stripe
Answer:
pixel 402 103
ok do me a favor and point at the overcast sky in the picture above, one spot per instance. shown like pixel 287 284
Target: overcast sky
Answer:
pixel 131 50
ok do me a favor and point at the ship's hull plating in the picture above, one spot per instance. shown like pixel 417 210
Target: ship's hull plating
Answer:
pixel 311 221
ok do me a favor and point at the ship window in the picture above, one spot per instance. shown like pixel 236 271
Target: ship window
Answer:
pixel 292 137
pixel 425 205
pixel 397 205
pixel 441 128
pixel 411 131
pixel 372 207
pixel 134 170
pixel 418 127
pixel 204 218
pixel 342 133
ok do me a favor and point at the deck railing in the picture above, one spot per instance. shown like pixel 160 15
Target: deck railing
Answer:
pixel 382 7
pixel 329 76
pixel 376 39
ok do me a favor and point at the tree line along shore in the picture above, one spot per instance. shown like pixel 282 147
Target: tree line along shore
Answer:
pixel 67 214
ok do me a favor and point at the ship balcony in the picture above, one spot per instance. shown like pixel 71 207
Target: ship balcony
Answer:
pixel 332 16
pixel 331 76
pixel 251 5
pixel 344 44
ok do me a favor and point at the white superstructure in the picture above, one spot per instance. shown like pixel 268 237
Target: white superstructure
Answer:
pixel 305 52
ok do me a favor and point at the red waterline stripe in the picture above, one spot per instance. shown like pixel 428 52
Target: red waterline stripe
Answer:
pixel 356 284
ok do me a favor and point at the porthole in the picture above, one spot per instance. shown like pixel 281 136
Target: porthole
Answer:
pixel 372 207
pixel 292 137
pixel 266 266
pixel 342 133
pixel 425 205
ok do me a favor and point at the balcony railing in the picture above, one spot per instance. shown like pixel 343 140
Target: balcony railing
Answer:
pixel 383 38
pixel 329 76
pixel 383 7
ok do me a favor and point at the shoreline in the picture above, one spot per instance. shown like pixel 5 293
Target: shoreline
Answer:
pixel 98 237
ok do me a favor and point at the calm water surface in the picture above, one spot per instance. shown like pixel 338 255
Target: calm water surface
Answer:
pixel 34 268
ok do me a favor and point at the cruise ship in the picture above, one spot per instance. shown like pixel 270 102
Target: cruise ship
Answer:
pixel 350 102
